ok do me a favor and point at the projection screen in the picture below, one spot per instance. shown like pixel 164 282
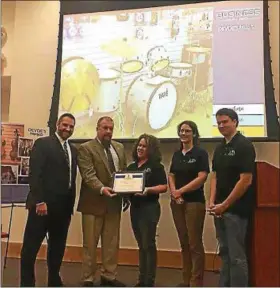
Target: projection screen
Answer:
pixel 149 69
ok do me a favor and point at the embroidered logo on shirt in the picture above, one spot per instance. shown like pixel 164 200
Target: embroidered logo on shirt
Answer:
pixel 192 160
pixel 147 170
pixel 229 152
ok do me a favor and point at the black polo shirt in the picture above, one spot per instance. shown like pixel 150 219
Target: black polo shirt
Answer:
pixel 154 176
pixel 186 168
pixel 229 161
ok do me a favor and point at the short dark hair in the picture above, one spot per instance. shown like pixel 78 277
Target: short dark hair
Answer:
pixel 194 128
pixel 69 115
pixel 154 153
pixel 228 112
pixel 104 118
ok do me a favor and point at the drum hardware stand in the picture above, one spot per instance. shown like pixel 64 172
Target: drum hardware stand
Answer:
pixel 134 125
pixel 119 110
pixel 120 117
pixel 203 101
pixel 188 104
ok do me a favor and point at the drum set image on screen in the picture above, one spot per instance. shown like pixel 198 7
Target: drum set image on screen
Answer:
pixel 142 94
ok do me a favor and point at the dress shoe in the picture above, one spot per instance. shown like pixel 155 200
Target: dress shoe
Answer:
pixel 111 283
pixel 89 284
pixel 55 282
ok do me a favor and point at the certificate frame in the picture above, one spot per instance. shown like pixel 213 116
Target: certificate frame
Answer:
pixel 129 182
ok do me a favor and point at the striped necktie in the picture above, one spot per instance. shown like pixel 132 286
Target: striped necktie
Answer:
pixel 110 160
pixel 66 153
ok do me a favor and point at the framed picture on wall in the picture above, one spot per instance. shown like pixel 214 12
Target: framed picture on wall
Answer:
pixel 9 174
pixel 25 146
pixel 24 167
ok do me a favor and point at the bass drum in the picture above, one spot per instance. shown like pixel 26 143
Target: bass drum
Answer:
pixel 152 101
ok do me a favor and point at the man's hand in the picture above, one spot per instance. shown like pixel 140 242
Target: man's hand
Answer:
pixel 218 210
pixel 107 191
pixel 41 209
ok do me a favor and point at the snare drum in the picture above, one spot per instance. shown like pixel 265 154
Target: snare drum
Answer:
pixel 152 101
pixel 180 70
pixel 108 97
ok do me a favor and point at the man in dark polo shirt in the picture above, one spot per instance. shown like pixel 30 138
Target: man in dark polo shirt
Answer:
pixel 231 197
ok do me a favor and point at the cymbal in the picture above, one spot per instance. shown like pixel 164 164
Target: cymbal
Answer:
pixel 80 84
pixel 123 47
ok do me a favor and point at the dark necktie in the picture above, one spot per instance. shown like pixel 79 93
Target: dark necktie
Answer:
pixel 66 153
pixel 110 160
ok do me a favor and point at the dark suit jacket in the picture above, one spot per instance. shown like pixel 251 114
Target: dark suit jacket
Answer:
pixel 49 173
pixel 95 172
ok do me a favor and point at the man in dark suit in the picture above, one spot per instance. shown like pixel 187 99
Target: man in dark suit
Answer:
pixel 98 159
pixel 52 179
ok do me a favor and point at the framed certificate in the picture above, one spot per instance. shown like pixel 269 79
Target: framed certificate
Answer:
pixel 129 182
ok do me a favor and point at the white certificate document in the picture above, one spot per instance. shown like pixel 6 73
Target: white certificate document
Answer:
pixel 129 182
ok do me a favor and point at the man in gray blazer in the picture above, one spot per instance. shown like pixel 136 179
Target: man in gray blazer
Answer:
pixel 98 159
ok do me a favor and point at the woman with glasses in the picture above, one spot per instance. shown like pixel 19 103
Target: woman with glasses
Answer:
pixel 188 173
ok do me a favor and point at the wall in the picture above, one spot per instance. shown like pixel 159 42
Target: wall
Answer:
pixel 8 18
pixel 8 21
pixel 34 51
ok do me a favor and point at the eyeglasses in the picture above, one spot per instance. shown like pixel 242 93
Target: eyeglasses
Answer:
pixel 187 131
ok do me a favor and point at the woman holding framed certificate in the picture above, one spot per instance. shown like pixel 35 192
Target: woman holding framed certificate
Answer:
pixel 145 207
pixel 188 173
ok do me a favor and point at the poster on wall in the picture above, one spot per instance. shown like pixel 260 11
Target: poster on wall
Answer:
pixel 17 144
pixel 10 134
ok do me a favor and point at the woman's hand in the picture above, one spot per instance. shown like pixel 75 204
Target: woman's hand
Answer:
pixel 176 194
pixel 145 192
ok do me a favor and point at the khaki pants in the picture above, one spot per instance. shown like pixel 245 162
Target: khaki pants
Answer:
pixel 108 227
pixel 189 222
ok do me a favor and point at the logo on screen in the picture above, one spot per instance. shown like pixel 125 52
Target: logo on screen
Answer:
pixel 163 94
pixel 238 13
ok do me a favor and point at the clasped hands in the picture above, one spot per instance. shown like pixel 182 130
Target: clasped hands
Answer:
pixel 176 194
pixel 216 210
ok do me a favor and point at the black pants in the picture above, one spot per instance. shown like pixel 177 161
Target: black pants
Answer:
pixel 56 223
pixel 144 220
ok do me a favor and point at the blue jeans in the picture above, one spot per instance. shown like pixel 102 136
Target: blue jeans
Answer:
pixel 144 220
pixel 231 231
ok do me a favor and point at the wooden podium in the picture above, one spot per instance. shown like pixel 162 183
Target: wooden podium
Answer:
pixel 264 253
